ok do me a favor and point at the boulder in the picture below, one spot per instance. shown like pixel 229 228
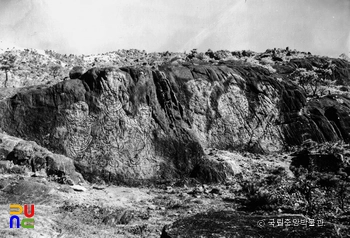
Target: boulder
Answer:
pixel 329 157
pixel 218 168
pixel 25 192
pixel 78 188
pixel 322 120
pixel 76 72
pixel 7 144
pixel 36 158
pixel 137 124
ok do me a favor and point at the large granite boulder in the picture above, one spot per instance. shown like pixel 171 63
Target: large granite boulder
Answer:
pixel 136 124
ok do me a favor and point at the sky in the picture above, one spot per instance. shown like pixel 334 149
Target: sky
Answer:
pixel 321 27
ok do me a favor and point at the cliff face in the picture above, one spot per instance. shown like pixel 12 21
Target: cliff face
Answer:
pixel 135 124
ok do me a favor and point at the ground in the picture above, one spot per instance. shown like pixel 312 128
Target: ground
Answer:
pixel 115 211
pixel 62 212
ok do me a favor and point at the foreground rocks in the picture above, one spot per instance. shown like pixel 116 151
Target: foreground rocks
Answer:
pixel 27 156
pixel 24 191
pixel 143 212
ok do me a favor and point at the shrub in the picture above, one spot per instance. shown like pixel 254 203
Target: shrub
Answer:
pixel 7 63
pixel 55 70
pixel 312 80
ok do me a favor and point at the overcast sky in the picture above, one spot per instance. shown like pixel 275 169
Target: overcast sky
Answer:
pixel 96 26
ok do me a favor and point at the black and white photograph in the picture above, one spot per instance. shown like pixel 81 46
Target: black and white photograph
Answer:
pixel 175 118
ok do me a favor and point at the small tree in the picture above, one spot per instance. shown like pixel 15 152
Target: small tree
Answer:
pixel 194 51
pixel 192 54
pixel 55 70
pixel 210 53
pixel 312 80
pixel 7 63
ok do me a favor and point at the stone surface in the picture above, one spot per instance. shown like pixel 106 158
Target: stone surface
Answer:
pixel 321 120
pixel 25 191
pixel 136 124
pixel 78 188
pixel 323 158
pixel 76 72
pixel 36 158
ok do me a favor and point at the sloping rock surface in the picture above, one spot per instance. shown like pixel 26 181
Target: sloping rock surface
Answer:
pixel 137 124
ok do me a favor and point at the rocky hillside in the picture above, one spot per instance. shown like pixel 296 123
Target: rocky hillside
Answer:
pixel 36 67
pixel 139 123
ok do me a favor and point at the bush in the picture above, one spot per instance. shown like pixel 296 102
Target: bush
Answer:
pixel 312 81
pixel 55 70
pixel 324 193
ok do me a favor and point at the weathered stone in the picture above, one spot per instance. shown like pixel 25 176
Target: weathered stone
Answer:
pixel 322 119
pixel 25 191
pixel 5 165
pixel 136 124
pixel 7 144
pixel 322 162
pixel 76 72
pixel 61 165
pixel 78 188
pixel 97 187
pixel 37 158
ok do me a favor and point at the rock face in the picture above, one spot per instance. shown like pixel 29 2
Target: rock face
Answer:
pixel 322 119
pixel 134 124
pixel 36 158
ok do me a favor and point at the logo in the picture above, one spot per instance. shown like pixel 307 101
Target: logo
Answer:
pixel 27 222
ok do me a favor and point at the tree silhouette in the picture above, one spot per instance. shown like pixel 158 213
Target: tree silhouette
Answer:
pixel 312 80
pixel 55 70
pixel 7 63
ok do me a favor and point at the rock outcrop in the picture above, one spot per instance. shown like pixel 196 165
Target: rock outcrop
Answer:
pixel 36 159
pixel 136 124
pixel 76 72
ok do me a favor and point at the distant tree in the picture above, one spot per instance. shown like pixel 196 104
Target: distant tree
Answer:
pixel 192 54
pixel 210 53
pixel 312 80
pixel 7 63
pixel 201 56
pixel 55 70
pixel 167 53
